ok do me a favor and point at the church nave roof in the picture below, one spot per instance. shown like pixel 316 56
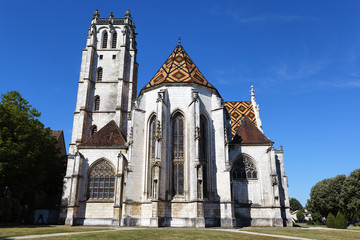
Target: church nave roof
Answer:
pixel 178 68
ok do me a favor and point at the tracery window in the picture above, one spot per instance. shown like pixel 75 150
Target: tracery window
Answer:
pixel 101 181
pixel 244 168
pixel 152 133
pixel 204 152
pixel 99 74
pixel 105 39
pixel 93 130
pixel 114 39
pixel 178 155
pixel 97 103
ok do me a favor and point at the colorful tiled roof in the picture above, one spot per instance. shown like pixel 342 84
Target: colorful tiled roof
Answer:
pixel 109 136
pixel 248 133
pixel 178 68
pixel 237 110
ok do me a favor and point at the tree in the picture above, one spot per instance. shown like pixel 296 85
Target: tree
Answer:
pixel 300 215
pixel 29 161
pixel 330 220
pixel 340 221
pixel 295 204
pixel 325 195
pixel 350 195
pixel 315 216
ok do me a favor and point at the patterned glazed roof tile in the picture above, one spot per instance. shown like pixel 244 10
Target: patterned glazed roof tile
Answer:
pixel 236 111
pixel 108 136
pixel 248 133
pixel 178 68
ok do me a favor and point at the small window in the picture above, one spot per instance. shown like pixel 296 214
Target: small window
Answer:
pixel 99 75
pixel 105 39
pixel 97 103
pixel 114 39
pixel 114 56
pixel 101 56
pixel 93 130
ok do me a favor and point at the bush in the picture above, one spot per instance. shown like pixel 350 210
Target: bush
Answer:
pixel 315 216
pixel 318 223
pixel 9 209
pixel 330 220
pixel 300 215
pixel 310 222
pixel 340 221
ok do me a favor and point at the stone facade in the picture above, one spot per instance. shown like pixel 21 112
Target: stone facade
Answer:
pixel 177 155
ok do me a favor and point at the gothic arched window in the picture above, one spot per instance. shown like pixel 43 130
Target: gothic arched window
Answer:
pixel 244 168
pixel 105 39
pixel 99 74
pixel 101 180
pixel 204 152
pixel 93 130
pixel 178 155
pixel 97 103
pixel 114 39
pixel 152 133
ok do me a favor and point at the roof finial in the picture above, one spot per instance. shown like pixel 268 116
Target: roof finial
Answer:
pixel 127 14
pixel 96 14
pixel 111 15
pixel 252 91
pixel 179 40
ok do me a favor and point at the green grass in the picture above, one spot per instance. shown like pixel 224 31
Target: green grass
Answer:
pixel 180 234
pixel 314 233
pixel 36 230
pixel 165 234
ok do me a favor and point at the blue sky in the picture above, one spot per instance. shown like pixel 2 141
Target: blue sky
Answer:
pixel 303 58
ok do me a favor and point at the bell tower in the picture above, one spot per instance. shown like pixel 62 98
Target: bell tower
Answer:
pixel 108 77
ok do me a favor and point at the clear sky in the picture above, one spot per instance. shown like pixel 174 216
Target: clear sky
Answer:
pixel 303 58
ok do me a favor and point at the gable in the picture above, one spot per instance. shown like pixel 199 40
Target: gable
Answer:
pixel 108 136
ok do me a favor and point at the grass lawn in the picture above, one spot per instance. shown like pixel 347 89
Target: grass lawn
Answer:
pixel 314 233
pixel 35 230
pixel 165 234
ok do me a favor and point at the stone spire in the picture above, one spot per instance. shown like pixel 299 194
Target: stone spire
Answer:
pixel 256 109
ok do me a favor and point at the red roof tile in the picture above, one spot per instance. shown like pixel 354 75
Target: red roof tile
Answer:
pixel 248 133
pixel 109 136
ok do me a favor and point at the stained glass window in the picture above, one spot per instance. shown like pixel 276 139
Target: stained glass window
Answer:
pixel 244 168
pixel 105 39
pixel 114 39
pixel 101 181
pixel 178 154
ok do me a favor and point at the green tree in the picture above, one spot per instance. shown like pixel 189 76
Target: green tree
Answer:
pixel 300 215
pixel 29 161
pixel 350 195
pixel 330 220
pixel 315 216
pixel 295 204
pixel 340 221
pixel 310 222
pixel 325 195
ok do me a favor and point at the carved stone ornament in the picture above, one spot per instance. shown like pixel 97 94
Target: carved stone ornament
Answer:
pixel 130 142
pixel 226 137
pixel 274 180
pixel 197 133
pixel 158 131
pixel 195 96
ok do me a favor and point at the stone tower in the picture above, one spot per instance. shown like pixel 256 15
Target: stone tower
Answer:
pixel 107 89
pixel 108 77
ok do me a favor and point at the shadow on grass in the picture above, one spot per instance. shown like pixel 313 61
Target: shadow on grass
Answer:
pixel 26 226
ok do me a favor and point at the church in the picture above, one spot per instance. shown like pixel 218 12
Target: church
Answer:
pixel 176 155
